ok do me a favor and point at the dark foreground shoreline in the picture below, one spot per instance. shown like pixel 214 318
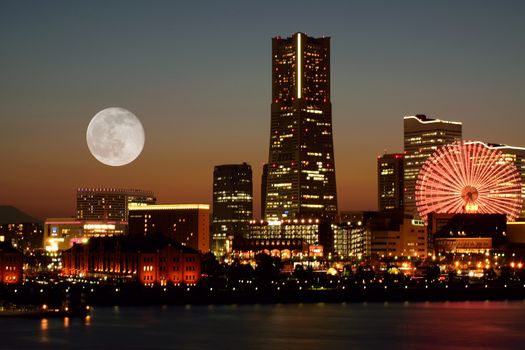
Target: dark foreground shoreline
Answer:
pixel 131 295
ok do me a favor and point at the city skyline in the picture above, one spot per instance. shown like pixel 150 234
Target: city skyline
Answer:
pixel 462 62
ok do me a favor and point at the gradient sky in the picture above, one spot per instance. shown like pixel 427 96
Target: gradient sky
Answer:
pixel 197 74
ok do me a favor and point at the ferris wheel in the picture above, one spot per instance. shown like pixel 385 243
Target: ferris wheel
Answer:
pixel 469 177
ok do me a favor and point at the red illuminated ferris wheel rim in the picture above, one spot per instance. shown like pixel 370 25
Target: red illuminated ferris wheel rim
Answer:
pixel 469 177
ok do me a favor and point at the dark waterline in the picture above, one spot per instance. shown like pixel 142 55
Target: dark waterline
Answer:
pixel 429 325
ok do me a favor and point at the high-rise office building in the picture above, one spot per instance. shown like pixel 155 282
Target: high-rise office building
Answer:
pixel 109 204
pixel 301 167
pixel 390 182
pixel 232 203
pixel 264 183
pixel 422 136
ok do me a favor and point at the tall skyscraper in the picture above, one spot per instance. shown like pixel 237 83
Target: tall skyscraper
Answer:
pixel 264 184
pixel 390 182
pixel 422 136
pixel 232 203
pixel 301 167
pixel 109 204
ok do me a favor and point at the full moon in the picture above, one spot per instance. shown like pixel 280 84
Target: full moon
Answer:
pixel 115 136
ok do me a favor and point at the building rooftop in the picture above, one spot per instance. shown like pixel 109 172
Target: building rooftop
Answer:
pixel 136 243
pixel 496 146
pixel 423 119
pixel 114 190
pixel 168 206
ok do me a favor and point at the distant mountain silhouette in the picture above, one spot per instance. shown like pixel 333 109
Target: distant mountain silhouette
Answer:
pixel 12 215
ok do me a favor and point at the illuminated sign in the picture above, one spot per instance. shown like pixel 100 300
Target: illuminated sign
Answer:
pixel 99 227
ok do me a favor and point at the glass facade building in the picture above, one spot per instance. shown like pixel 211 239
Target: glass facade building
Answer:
pixel 351 240
pixel 232 203
pixel 422 136
pixel 390 182
pixel 264 184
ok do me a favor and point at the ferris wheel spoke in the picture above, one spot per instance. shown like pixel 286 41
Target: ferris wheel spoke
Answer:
pixel 469 176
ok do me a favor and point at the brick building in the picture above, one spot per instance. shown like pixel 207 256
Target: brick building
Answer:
pixel 10 264
pixel 151 259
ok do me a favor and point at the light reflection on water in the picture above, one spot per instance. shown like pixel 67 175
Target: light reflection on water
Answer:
pixel 44 325
pixel 430 325
pixel 87 321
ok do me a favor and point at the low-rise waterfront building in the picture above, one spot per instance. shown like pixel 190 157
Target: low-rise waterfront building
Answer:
pixel 351 240
pixel 151 259
pixel 283 248
pixel 184 223
pixel 22 230
pixel 312 231
pixel 467 233
pixel 395 234
pixel 10 264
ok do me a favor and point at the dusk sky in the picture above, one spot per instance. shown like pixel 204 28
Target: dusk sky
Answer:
pixel 197 74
